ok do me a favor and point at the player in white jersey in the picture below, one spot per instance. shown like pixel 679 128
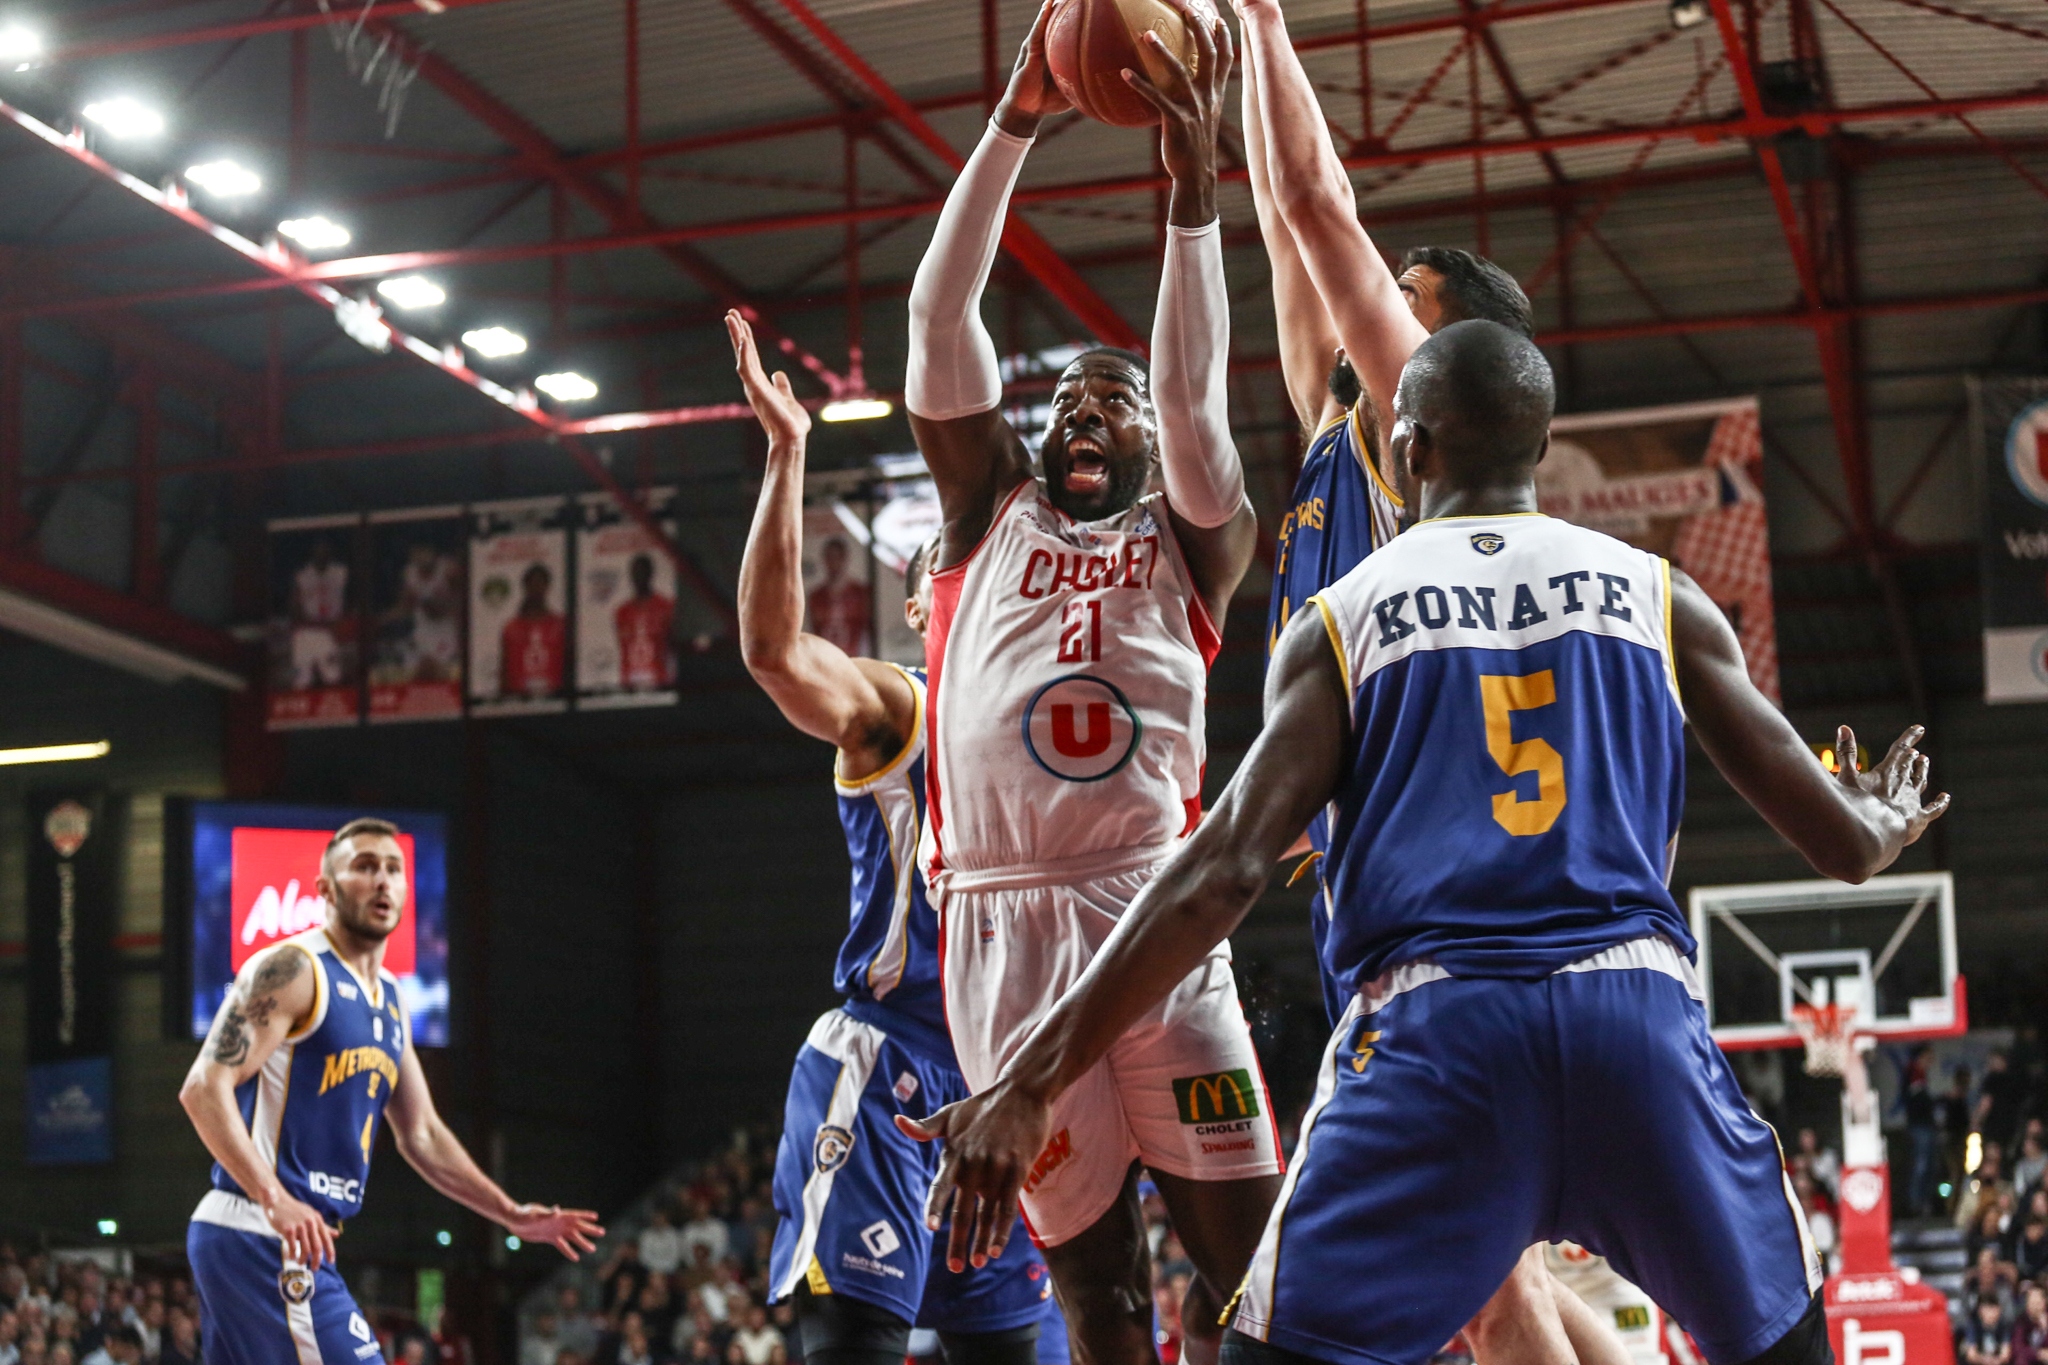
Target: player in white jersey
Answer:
pixel 1074 619
pixel 1649 1337
pixel 1491 707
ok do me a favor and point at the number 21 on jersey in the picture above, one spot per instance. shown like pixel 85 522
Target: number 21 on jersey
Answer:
pixel 1081 631
pixel 1502 695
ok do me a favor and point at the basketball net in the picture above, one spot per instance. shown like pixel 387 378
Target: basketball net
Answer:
pixel 1825 1031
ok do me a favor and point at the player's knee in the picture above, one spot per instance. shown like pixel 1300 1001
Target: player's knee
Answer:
pixel 1806 1344
pixel 838 1330
pixel 1018 1346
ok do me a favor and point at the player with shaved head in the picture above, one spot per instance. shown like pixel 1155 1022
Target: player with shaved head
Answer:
pixel 1494 709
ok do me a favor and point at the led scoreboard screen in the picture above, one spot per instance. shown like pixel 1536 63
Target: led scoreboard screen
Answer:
pixel 252 872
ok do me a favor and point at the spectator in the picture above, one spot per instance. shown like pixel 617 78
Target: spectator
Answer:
pixel 569 1357
pixel 661 1244
pixel 1986 1340
pixel 658 1311
pixel 1921 1131
pixel 756 1340
pixel 611 1344
pixel 706 1231
pixel 2030 1337
pixel 1820 1210
pixel 1987 1185
pixel 148 1323
pixel 120 1344
pixel 2030 1252
pixel 622 1277
pixel 636 1349
pixel 2033 1162
pixel 1166 1323
pixel 716 1293
pixel 181 1339
pixel 1957 1117
pixel 1998 1100
pixel 1988 1280
pixel 10 1333
pixel 542 1344
pixel 700 1270
pixel 1987 1231
pixel 579 1333
pixel 1820 1162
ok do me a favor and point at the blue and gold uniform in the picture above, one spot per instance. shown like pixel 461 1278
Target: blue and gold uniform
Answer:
pixel 1524 1056
pixel 1342 512
pixel 312 1111
pixel 849 1186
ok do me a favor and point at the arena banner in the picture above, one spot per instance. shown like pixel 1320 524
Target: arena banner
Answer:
pixel 315 627
pixel 1683 482
pixel 417 602
pixel 625 605
pixel 74 862
pixel 2010 418
pixel 518 606
pixel 839 576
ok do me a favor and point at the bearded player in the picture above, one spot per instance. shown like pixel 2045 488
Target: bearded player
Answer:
pixel 1492 705
pixel 851 1248
pixel 1074 620
pixel 309 1053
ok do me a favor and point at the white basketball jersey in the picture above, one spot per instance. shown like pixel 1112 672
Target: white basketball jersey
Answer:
pixel 1068 666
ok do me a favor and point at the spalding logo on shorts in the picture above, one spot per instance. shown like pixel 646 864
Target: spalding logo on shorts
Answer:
pixel 833 1146
pixel 1080 728
pixel 295 1282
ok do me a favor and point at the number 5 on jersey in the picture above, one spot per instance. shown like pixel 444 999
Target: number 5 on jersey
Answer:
pixel 1081 631
pixel 1503 695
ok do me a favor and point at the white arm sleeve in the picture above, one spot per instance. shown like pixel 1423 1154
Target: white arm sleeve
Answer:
pixel 951 370
pixel 1190 359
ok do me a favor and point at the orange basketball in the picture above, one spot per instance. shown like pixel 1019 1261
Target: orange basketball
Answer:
pixel 1089 43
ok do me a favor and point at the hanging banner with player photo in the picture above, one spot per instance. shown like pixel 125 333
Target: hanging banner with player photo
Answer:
pixel 1684 482
pixel 625 605
pixel 518 606
pixel 315 628
pixel 2010 418
pixel 417 602
pixel 838 577
pixel 906 516
pixel 74 881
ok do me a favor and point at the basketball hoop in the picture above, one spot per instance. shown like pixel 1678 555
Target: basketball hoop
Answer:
pixel 1825 1031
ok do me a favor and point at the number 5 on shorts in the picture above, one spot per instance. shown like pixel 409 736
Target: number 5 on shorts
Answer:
pixel 1502 696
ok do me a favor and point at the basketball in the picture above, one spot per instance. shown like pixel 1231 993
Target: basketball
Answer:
pixel 1089 44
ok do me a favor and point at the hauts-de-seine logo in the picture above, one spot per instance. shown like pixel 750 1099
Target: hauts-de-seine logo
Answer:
pixel 834 1145
pixel 1489 542
pixel 2026 454
pixel 1081 729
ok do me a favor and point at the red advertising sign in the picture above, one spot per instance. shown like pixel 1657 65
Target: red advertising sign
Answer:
pixel 274 893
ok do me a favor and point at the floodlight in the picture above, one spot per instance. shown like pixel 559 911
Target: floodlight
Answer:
pixel 108 1227
pixel 55 753
pixel 125 118
pixel 856 409
pixel 566 387
pixel 224 179
pixel 412 291
pixel 493 343
pixel 315 233
pixel 19 46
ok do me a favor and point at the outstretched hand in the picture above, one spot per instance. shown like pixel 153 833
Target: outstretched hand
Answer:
pixel 785 419
pixel 1900 780
pixel 992 1141
pixel 1190 105
pixel 1032 96
pixel 566 1230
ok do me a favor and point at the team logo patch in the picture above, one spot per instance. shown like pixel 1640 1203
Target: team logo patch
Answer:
pixel 295 1283
pixel 880 1239
pixel 833 1146
pixel 905 1087
pixel 1218 1098
pixel 1081 729
pixel 1489 542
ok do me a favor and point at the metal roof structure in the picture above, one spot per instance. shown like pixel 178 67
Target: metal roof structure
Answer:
pixel 1838 204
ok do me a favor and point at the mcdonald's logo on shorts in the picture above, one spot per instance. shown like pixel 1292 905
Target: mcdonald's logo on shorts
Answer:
pixel 1222 1097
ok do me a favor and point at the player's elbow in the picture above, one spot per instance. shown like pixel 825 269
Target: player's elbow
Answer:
pixel 193 1094
pixel 766 656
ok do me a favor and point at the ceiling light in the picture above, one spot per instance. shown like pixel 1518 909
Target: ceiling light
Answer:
pixel 224 179
pixel 856 409
pixel 567 387
pixel 19 47
pixel 315 233
pixel 1688 13
pixel 494 342
pixel 55 753
pixel 125 118
pixel 412 291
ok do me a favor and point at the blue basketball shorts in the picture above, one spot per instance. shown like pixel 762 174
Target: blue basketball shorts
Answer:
pixel 850 1187
pixel 1458 1120
pixel 257 1308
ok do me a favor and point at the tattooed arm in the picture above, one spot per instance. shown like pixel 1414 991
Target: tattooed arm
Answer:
pixel 273 996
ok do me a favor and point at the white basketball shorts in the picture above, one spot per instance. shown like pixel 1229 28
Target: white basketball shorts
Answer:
pixel 1181 1091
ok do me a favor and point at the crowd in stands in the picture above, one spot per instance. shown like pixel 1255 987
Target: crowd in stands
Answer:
pixel 71 1312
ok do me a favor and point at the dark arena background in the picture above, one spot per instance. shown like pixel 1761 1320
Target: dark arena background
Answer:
pixel 324 323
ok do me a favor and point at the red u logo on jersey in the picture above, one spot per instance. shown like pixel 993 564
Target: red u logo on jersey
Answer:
pixel 1081 729
pixel 1071 745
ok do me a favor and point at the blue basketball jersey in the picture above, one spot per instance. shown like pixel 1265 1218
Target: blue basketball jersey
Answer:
pixel 313 1108
pixel 891 952
pixel 1342 512
pixel 1512 796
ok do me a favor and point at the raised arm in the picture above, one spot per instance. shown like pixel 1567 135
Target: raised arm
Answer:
pixel 432 1149
pixel 1308 338
pixel 1194 902
pixel 273 995
pixel 951 383
pixel 864 707
pixel 1212 518
pixel 1849 825
pixel 1314 195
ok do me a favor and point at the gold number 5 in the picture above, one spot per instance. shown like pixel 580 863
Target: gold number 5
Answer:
pixel 1503 696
